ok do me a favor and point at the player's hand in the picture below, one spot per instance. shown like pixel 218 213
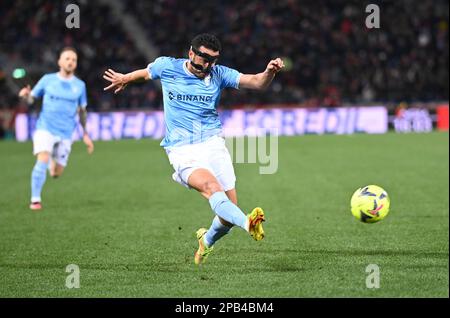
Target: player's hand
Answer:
pixel 25 92
pixel 275 66
pixel 89 144
pixel 117 81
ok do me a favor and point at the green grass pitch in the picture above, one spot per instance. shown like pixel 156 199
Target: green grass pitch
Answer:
pixel 119 216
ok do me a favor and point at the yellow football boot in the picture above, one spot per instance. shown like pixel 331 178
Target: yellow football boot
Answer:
pixel 203 251
pixel 255 220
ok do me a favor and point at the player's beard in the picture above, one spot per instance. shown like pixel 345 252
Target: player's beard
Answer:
pixel 199 71
pixel 201 74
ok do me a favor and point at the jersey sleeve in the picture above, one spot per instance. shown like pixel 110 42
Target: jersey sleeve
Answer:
pixel 229 77
pixel 83 97
pixel 156 68
pixel 39 89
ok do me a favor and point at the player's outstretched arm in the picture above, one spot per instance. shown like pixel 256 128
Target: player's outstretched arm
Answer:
pixel 262 80
pixel 119 81
pixel 25 94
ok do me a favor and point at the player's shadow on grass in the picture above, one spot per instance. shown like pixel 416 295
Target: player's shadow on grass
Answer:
pixel 282 263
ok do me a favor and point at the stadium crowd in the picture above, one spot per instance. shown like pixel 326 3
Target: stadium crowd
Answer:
pixel 331 57
pixel 33 32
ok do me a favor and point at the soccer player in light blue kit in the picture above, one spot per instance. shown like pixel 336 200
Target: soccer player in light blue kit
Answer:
pixel 191 93
pixel 64 95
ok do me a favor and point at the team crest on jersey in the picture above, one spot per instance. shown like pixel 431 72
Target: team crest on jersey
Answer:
pixel 207 80
pixel 74 89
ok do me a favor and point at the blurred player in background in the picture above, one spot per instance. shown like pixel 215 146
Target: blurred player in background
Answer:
pixel 64 95
pixel 191 90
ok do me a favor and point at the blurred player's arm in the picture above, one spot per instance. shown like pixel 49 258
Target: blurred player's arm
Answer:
pixel 119 81
pixel 29 95
pixel 25 94
pixel 82 112
pixel 262 80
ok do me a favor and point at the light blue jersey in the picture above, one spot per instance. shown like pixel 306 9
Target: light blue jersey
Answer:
pixel 190 103
pixel 62 97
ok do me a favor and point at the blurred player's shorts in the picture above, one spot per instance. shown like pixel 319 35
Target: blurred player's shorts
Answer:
pixel 211 154
pixel 59 148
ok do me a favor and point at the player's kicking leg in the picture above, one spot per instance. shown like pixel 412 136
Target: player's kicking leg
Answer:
pixel 227 213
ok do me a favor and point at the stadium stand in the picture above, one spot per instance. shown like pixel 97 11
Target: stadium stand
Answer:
pixel 332 58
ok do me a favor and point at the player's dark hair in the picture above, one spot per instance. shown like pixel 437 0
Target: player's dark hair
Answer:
pixel 68 48
pixel 207 40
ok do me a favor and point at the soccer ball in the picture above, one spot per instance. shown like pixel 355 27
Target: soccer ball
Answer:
pixel 370 204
